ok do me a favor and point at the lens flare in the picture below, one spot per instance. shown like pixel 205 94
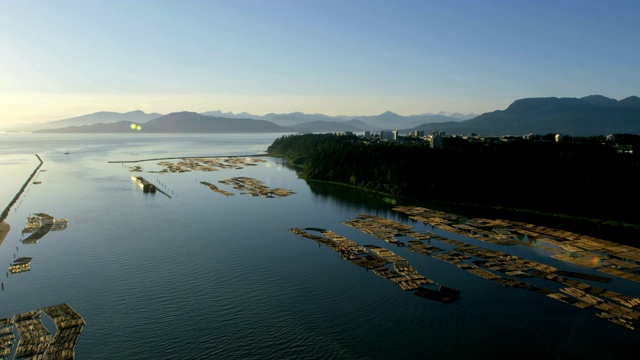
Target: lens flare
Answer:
pixel 134 126
pixel 139 128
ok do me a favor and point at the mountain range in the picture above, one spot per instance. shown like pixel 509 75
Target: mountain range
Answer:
pixel 102 122
pixel 587 116
pixel 137 116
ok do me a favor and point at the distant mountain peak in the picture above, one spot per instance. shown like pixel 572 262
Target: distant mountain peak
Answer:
pixel 599 100
pixel 631 101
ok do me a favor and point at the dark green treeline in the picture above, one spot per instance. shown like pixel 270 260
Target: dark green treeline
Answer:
pixel 586 177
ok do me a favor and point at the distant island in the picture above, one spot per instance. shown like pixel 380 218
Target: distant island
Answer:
pixel 587 116
pixel 581 178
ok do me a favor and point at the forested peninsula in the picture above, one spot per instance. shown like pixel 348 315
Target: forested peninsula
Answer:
pixel 592 178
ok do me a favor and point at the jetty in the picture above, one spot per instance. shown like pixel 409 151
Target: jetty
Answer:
pixel 5 213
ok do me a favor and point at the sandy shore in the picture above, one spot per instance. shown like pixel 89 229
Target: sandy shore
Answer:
pixel 4 230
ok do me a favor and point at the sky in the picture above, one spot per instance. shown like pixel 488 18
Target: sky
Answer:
pixel 61 58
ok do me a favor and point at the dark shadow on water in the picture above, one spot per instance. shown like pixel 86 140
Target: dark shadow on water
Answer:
pixel 351 197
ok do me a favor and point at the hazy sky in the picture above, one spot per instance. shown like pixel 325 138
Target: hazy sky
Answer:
pixel 61 58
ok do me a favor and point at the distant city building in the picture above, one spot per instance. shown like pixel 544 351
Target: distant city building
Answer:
pixel 416 133
pixel 558 137
pixel 611 137
pixel 435 140
pixel 389 135
pixel 367 134
pixel 527 136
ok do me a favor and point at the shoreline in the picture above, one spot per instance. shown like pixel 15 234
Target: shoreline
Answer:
pixel 618 231
pixel 4 231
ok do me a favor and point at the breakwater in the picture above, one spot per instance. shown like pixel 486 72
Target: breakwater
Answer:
pixel 5 213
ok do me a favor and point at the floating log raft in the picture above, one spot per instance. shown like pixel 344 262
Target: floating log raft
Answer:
pixel 375 258
pixel 255 187
pixel 614 259
pixel 380 228
pixel 208 164
pixel 35 340
pixel 34 336
pixel 7 338
pixel 19 265
pixel 607 257
pixel 40 224
pixel 216 189
pixel 69 325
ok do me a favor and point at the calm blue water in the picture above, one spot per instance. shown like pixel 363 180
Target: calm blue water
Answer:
pixel 202 276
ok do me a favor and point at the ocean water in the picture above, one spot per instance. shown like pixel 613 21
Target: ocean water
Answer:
pixel 201 275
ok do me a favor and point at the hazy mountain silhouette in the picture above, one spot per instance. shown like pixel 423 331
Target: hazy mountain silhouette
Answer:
pixel 590 115
pixel 104 117
pixel 179 122
pixel 387 120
